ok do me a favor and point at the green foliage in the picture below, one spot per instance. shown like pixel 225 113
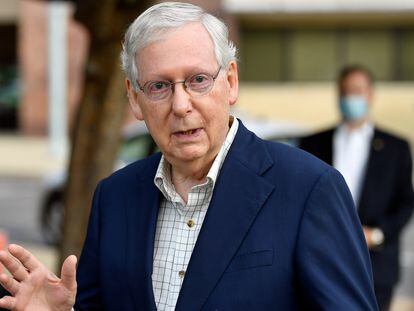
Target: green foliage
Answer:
pixel 9 87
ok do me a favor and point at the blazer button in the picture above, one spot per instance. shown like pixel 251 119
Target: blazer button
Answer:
pixel 378 144
pixel 181 274
pixel 190 223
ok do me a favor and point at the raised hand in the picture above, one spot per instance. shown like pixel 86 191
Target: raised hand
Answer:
pixel 32 286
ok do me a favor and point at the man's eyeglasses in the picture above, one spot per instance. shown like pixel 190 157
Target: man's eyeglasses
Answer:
pixel 196 85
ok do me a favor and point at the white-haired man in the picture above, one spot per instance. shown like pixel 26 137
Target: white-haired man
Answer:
pixel 220 219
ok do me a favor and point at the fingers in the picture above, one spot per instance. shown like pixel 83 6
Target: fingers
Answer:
pixel 25 257
pixel 10 284
pixel 13 265
pixel 7 302
pixel 68 273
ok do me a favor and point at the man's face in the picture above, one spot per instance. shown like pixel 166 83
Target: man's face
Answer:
pixel 185 128
pixel 357 83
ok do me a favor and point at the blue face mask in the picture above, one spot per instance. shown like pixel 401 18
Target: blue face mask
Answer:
pixel 353 107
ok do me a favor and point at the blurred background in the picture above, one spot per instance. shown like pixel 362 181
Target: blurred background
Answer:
pixel 64 120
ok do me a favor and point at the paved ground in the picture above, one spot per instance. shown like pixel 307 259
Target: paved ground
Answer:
pixel 25 162
pixel 26 157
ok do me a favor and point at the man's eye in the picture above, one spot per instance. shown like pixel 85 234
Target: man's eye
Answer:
pixel 199 79
pixel 199 82
pixel 158 86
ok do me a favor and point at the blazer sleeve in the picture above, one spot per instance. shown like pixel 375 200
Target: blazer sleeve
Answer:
pixel 334 269
pixel 398 214
pixel 89 293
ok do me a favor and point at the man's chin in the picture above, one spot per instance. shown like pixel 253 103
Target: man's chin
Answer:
pixel 187 155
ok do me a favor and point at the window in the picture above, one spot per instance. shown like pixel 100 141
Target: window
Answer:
pixel 317 55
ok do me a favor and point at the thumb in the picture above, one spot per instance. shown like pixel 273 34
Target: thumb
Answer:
pixel 68 272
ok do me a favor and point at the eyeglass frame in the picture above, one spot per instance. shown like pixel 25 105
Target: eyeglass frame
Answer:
pixel 183 82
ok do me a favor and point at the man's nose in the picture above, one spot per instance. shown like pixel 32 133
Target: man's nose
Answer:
pixel 181 103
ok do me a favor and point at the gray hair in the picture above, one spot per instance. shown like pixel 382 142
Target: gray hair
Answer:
pixel 154 23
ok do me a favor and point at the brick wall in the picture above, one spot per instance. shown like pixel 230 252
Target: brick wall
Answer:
pixel 32 50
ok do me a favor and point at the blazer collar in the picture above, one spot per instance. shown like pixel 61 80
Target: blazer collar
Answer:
pixel 250 151
pixel 239 195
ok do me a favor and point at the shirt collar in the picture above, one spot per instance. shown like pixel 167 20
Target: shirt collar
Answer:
pixel 365 131
pixel 162 179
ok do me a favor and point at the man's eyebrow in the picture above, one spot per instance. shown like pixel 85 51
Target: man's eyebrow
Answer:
pixel 191 72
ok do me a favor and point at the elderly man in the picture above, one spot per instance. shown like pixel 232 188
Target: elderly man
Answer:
pixel 377 167
pixel 220 219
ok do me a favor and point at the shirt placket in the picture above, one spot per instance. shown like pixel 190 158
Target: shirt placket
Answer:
pixel 189 227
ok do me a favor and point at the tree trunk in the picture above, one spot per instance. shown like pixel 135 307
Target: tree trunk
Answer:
pixel 100 117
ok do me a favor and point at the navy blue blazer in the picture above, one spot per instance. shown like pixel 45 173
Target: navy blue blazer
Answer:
pixel 281 233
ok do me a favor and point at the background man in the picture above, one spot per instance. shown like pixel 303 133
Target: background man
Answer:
pixel 377 168
pixel 220 219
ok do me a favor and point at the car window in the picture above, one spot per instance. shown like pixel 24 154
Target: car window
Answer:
pixel 136 148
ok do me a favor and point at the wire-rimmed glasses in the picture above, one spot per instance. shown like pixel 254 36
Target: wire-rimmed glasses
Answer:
pixel 196 85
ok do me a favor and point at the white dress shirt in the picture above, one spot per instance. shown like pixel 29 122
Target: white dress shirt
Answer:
pixel 350 155
pixel 178 226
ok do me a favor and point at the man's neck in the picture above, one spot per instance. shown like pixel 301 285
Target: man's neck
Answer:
pixel 188 176
pixel 355 125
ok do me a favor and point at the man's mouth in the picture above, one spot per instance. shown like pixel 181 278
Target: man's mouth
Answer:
pixel 188 132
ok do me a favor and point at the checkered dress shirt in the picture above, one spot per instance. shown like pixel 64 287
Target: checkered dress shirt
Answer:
pixel 178 226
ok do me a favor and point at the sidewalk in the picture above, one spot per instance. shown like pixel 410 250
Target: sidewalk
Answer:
pixel 27 157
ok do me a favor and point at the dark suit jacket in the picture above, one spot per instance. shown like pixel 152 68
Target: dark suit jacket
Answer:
pixel 281 233
pixel 386 199
pixel 3 293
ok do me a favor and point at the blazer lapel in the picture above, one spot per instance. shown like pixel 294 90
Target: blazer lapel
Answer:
pixel 374 165
pixel 142 212
pixel 240 193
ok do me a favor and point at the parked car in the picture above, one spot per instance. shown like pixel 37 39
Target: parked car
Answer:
pixel 138 144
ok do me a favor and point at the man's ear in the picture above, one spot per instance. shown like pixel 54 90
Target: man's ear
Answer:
pixel 133 100
pixel 233 82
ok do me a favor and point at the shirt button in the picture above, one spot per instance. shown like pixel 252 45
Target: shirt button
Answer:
pixel 190 223
pixel 181 274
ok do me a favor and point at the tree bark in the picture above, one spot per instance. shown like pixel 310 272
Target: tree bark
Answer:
pixel 100 117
